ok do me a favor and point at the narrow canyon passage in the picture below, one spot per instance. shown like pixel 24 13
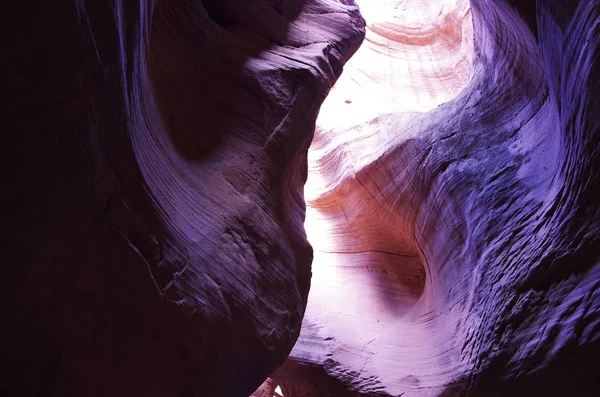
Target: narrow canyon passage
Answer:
pixel 416 56
pixel 370 306
pixel 206 197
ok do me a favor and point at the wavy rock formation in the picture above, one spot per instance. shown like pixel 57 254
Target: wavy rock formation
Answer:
pixel 457 247
pixel 157 154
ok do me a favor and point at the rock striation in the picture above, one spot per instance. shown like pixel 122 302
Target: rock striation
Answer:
pixel 456 235
pixel 156 161
pixel 156 228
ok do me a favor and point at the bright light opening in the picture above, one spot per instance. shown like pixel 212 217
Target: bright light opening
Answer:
pixel 278 392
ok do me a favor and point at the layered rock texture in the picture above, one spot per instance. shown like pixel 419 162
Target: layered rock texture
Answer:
pixel 157 154
pixel 452 201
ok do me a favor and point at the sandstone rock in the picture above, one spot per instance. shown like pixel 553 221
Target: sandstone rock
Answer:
pixel 156 158
pixel 456 248
pixel 156 155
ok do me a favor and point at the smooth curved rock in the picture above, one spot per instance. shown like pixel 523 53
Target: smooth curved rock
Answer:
pixel 158 153
pixel 457 251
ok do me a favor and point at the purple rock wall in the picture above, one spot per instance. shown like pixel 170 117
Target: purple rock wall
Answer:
pixel 155 161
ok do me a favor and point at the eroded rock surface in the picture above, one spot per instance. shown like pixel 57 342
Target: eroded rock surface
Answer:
pixel 157 152
pixel 456 250
pixel 157 155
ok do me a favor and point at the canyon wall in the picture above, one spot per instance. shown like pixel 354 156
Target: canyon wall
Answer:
pixel 155 164
pixel 156 158
pixel 456 245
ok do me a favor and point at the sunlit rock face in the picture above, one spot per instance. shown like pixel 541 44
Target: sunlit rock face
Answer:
pixel 416 55
pixel 157 156
pixel 454 216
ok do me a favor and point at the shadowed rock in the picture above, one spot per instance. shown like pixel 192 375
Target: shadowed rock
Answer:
pixel 157 154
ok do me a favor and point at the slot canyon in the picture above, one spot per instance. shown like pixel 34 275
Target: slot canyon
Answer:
pixel 301 198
